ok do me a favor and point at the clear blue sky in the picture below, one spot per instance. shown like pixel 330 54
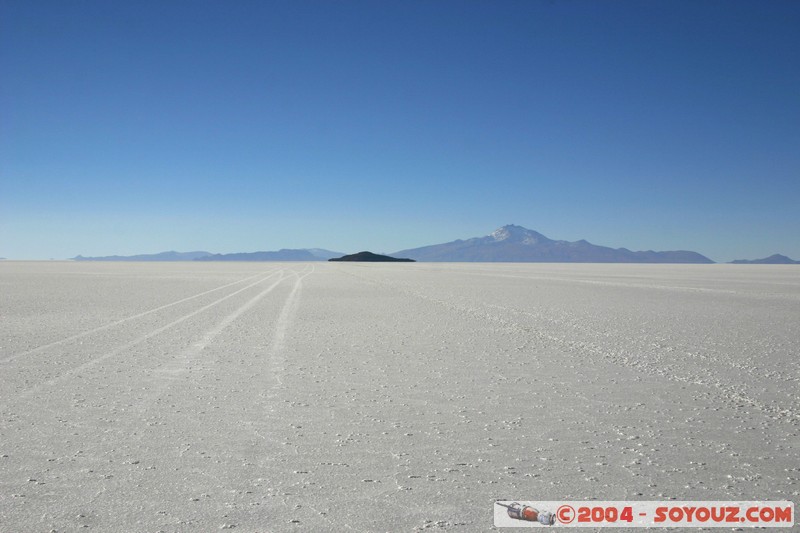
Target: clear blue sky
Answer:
pixel 143 126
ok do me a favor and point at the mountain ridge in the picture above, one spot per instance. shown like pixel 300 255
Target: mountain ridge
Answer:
pixel 161 256
pixel 512 243
pixel 509 243
pixel 774 259
pixel 285 254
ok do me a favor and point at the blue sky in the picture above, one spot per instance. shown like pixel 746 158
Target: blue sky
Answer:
pixel 134 127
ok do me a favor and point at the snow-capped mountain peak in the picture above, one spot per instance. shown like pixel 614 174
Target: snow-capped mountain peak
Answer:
pixel 518 234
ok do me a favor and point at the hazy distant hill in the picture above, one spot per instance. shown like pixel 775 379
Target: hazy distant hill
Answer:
pixel 163 256
pixel 323 253
pixel 371 258
pixel 309 254
pixel 517 244
pixel 776 259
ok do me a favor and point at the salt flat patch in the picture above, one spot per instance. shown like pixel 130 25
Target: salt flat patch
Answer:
pixel 423 391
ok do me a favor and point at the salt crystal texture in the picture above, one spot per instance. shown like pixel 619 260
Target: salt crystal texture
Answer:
pixel 387 397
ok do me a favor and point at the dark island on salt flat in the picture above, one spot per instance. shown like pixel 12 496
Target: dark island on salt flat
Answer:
pixel 370 257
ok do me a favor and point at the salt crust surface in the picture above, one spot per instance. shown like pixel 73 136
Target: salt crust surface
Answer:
pixel 387 397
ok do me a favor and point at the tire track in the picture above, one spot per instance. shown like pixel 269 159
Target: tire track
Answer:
pixel 212 333
pixel 180 363
pixel 174 384
pixel 277 365
pixel 138 340
pixel 277 357
pixel 116 450
pixel 123 320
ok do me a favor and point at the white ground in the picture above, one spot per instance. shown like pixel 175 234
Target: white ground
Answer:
pixel 369 397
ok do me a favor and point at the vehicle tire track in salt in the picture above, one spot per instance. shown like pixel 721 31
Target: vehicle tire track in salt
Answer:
pixel 126 319
pixel 730 395
pixel 277 365
pixel 118 451
pixel 180 363
pixel 275 351
pixel 212 333
pixel 120 349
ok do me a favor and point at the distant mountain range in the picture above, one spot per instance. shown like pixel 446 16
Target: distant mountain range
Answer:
pixel 776 259
pixel 163 256
pixel 507 244
pixel 517 244
pixel 305 254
